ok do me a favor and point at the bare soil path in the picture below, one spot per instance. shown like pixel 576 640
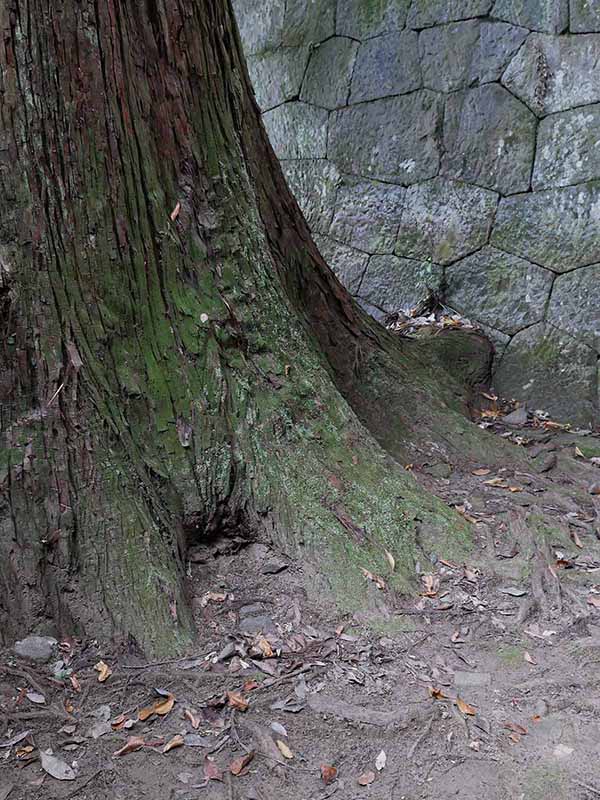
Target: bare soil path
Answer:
pixel 484 685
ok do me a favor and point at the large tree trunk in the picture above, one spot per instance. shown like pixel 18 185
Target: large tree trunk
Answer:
pixel 176 359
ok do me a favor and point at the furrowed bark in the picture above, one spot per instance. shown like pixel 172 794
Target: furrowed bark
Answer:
pixel 176 359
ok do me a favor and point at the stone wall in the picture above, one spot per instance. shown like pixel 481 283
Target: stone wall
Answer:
pixel 451 144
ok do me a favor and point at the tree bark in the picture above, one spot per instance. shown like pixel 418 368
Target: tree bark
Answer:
pixel 176 360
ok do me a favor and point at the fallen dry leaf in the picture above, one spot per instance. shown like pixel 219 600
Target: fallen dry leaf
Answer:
pixel 250 684
pixel 529 659
pixel 366 778
pixel 328 774
pixel 192 718
pixel 103 670
pixel 75 683
pixel 241 763
pixel 264 647
pixel 481 472
pixel 391 560
pixel 212 597
pixel 578 452
pixel 516 728
pixel 380 761
pixel 56 767
pixel 431 584
pixel 377 580
pixel 465 708
pixel 236 701
pixel 211 771
pixel 176 741
pixel 163 707
pixel 594 600
pixel 284 749
pixel 131 745
pixel 576 540
pixel 145 713
pixel 436 693
pixel 175 213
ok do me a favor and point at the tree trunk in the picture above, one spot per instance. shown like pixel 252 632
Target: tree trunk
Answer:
pixel 176 359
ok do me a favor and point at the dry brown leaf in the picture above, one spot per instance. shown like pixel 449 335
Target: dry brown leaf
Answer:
pixel 212 597
pixel 236 701
pixel 481 472
pixel 284 749
pixel 264 647
pixel 176 741
pixel 75 683
pixel 145 713
pixel 431 584
pixel 118 722
pixel 377 580
pixel 250 684
pixel 366 778
pixel 391 560
pixel 211 771
pixel 465 708
pixel 594 600
pixel 578 452
pixel 516 728
pixel 131 745
pixel 515 489
pixel 175 212
pixel 497 482
pixel 436 693
pixel 529 659
pixel 241 763
pixel 163 707
pixel 103 670
pixel 328 774
pixel 192 718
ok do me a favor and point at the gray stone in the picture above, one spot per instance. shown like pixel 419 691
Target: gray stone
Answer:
pixel 36 648
pixel 497 338
pixel 575 304
pixel 327 81
pixel 297 130
pixel 277 75
pixel 489 282
pixel 395 284
pixel 306 22
pixel 516 418
pixel 446 54
pixel 498 42
pixel 385 66
pixel 260 23
pixel 557 228
pixel 489 139
pixel 394 139
pixel 462 678
pixel 554 371
pixel 567 149
pixel 425 13
pixel 556 73
pixel 363 20
pixel 585 16
pixel 367 214
pixel 314 183
pixel 261 624
pixel 373 311
pixel 445 220
pixel 549 16
pixel 347 263
pixel 468 53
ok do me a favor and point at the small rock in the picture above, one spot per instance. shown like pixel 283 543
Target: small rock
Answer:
pixel 544 463
pixel 274 566
pixel 440 470
pixel 36 648
pixel 256 624
pixel 595 488
pixel 252 609
pixel 516 418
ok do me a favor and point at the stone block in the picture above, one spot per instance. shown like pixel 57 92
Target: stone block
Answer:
pixel 385 66
pixel 363 20
pixel 367 214
pixel 585 16
pixel 395 284
pixel 327 81
pixel 557 228
pixel 489 139
pixel 297 130
pixel 306 22
pixel 501 290
pixel 277 75
pixel 446 53
pixel 260 23
pixel 425 13
pixel 549 16
pixel 394 139
pixel 575 304
pixel 314 183
pixel 556 73
pixel 498 42
pixel 553 371
pixel 445 220
pixel 347 263
pixel 568 151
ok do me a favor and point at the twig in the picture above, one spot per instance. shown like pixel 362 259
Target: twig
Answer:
pixel 22 673
pixel 162 663
pixel 84 784
pixel 587 787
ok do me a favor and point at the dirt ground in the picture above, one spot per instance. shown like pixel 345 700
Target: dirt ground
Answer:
pixel 484 685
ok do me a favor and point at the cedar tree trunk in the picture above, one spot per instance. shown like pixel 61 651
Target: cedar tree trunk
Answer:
pixel 176 360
